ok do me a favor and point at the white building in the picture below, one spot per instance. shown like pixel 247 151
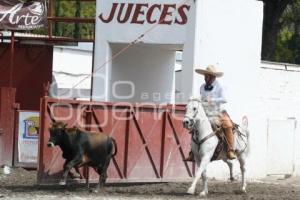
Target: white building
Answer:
pixel 72 66
pixel 280 139
pixel 223 32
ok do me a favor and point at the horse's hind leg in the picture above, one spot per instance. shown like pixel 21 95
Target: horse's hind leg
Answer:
pixel 242 161
pixel 230 166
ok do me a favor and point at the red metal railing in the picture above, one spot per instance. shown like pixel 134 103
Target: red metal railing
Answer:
pixel 151 140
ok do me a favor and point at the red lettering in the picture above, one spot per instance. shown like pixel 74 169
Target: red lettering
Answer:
pixel 112 14
pixel 182 13
pixel 150 13
pixel 169 13
pixel 165 13
pixel 138 12
pixel 127 14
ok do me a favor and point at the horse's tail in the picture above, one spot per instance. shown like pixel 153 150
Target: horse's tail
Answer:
pixel 247 132
pixel 243 138
pixel 246 137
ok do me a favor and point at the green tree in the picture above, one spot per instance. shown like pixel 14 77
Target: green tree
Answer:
pixel 273 10
pixel 75 8
pixel 288 43
pixel 281 31
pixel 70 9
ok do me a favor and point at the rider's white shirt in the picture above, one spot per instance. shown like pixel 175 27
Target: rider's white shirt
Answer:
pixel 216 97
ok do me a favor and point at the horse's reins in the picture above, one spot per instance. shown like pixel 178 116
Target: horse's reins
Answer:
pixel 195 131
pixel 203 139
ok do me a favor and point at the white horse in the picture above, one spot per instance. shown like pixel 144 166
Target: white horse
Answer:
pixel 205 141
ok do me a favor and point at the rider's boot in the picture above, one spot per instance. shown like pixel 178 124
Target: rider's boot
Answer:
pixel 227 125
pixel 230 141
pixel 190 158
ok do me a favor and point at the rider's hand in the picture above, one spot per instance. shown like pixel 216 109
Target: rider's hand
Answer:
pixel 209 100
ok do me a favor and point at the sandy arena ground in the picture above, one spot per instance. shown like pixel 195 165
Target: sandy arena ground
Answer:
pixel 21 184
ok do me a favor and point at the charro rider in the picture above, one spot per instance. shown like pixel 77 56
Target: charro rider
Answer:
pixel 212 94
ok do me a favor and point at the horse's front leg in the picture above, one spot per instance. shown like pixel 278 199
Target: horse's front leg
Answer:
pixel 204 181
pixel 202 168
pixel 242 161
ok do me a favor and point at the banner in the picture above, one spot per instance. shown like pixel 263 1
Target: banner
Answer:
pixel 15 15
pixel 28 137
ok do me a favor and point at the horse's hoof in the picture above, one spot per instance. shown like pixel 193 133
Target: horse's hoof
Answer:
pixel 75 175
pixel 232 179
pixel 99 190
pixel 62 183
pixel 203 194
pixel 244 190
pixel 95 191
pixel 191 191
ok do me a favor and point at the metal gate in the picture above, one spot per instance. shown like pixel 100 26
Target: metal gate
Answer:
pixel 150 138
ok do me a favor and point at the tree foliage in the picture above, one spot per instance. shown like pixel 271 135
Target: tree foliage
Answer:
pixel 75 8
pixel 71 9
pixel 288 42
pixel 281 31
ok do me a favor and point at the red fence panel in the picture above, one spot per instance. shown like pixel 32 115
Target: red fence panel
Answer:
pixel 150 138
pixel 7 117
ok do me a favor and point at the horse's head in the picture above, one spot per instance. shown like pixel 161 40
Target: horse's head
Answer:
pixel 193 114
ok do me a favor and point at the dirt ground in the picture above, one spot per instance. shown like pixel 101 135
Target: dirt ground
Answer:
pixel 21 184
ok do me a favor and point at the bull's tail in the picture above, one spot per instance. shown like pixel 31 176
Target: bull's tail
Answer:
pixel 115 147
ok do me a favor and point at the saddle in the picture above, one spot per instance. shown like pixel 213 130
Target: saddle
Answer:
pixel 222 144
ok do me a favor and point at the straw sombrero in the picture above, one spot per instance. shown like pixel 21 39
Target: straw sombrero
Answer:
pixel 210 69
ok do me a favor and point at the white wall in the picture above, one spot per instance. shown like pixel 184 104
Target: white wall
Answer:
pixel 280 85
pixel 72 65
pixel 228 34
pixel 74 60
pixel 109 34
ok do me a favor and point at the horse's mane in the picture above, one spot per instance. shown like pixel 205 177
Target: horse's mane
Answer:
pixel 198 99
pixel 195 98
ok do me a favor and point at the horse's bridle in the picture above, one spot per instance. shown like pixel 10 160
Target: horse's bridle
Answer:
pixel 195 131
pixel 192 119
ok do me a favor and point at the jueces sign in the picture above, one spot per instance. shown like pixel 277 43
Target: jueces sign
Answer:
pixel 162 22
pixel 146 13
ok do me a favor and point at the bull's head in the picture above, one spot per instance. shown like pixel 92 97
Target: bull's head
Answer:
pixel 56 130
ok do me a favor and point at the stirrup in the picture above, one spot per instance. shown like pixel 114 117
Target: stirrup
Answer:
pixel 231 155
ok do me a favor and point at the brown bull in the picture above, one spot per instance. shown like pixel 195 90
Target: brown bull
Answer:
pixel 94 149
